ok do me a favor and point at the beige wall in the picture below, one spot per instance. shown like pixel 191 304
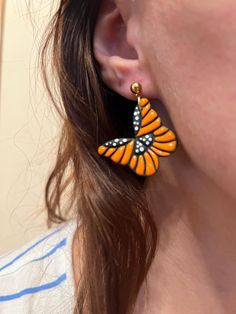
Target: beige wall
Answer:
pixel 27 126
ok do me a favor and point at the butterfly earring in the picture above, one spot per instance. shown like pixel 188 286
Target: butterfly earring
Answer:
pixel 151 140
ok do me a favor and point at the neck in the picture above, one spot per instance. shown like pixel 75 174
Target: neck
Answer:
pixel 194 268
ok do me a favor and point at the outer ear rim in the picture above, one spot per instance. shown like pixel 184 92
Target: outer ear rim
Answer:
pixel 119 72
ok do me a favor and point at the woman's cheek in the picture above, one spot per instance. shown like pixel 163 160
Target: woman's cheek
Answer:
pixel 191 54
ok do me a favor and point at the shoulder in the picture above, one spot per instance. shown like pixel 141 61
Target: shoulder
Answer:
pixel 40 269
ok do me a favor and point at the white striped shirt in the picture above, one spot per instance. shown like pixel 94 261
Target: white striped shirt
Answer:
pixel 38 277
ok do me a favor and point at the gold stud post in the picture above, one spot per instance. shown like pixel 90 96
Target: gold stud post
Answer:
pixel 136 88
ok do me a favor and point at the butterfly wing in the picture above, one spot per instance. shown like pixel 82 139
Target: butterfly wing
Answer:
pixel 144 162
pixel 164 142
pixel 119 150
pixel 149 119
pixel 129 152
pixel 152 140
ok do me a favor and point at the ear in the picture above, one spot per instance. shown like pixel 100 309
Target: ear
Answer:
pixel 119 59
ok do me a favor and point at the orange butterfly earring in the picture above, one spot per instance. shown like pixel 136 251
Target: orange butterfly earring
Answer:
pixel 152 140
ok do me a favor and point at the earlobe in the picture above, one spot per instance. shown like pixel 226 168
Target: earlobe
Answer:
pixel 119 61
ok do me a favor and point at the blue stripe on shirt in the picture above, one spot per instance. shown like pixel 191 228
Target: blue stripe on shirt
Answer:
pixel 29 249
pixel 52 251
pixel 33 290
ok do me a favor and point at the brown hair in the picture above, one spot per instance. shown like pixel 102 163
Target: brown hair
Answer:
pixel 118 231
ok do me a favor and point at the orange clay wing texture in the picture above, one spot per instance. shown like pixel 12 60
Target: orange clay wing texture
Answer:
pixel 150 167
pixel 118 154
pixel 166 142
pixel 150 121
pixel 140 168
pixel 118 150
pixel 133 162
pixel 145 164
pixel 128 153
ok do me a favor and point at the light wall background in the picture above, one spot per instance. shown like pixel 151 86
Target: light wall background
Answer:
pixel 28 129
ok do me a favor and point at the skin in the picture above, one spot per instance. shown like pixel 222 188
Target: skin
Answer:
pixel 184 53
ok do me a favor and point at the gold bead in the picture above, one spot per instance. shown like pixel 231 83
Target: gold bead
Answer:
pixel 136 88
